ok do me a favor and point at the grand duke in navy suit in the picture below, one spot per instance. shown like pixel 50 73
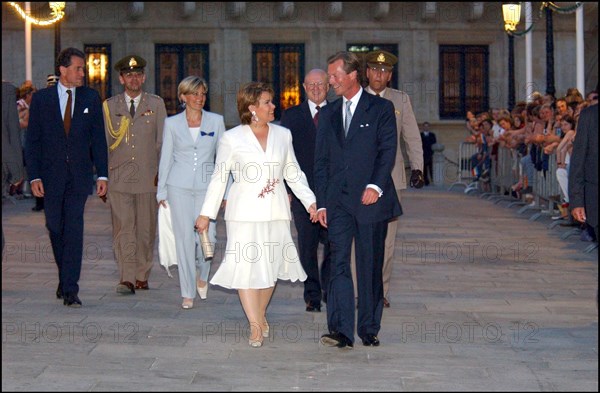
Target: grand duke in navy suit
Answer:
pixel 355 153
pixel 65 142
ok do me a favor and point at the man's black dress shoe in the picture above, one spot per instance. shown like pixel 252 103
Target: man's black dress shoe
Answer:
pixel 59 292
pixel 370 340
pixel 570 223
pixel 313 307
pixel 37 208
pixel 336 339
pixel 72 301
pixel 125 287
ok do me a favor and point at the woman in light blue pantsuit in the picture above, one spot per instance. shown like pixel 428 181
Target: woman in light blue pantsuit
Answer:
pixel 187 159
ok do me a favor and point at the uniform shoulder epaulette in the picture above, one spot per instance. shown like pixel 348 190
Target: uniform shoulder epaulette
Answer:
pixel 154 95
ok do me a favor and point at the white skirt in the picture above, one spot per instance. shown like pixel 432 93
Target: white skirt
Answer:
pixel 258 254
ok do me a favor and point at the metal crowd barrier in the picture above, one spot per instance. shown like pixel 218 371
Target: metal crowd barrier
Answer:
pixel 506 167
pixel 506 171
pixel 464 176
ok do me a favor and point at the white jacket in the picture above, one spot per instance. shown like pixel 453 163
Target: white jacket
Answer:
pixel 258 191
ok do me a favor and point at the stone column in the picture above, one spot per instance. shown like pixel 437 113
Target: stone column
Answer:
pixel 438 164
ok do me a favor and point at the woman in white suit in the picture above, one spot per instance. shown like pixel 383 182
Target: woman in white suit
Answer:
pixel 259 249
pixel 187 158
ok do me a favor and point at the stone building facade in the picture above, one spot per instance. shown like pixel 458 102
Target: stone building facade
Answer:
pixel 230 32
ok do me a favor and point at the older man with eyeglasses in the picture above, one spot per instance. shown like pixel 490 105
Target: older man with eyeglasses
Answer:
pixel 303 120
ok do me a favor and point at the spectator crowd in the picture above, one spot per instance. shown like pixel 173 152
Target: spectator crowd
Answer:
pixel 531 132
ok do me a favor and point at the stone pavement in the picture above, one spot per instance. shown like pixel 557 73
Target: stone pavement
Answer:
pixel 481 299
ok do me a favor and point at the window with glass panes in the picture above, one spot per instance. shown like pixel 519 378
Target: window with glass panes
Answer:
pixel 98 68
pixel 282 67
pixel 174 62
pixel 464 83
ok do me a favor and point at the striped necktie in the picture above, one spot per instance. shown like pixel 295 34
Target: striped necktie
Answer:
pixel 348 116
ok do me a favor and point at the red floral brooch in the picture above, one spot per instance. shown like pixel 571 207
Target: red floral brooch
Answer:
pixel 269 188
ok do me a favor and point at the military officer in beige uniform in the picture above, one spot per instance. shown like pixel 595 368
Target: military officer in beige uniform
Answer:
pixel 134 127
pixel 379 72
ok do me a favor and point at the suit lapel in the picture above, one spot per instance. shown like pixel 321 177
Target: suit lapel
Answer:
pixel 142 106
pixel 184 128
pixel 78 109
pixel 307 118
pixel 54 102
pixel 360 113
pixel 80 106
pixel 122 106
pixel 252 138
pixel 336 121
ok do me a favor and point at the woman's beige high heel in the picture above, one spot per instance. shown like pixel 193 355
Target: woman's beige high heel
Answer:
pixel 202 291
pixel 255 343
pixel 187 303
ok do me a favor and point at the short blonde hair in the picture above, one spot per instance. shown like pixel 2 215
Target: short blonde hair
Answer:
pixel 191 84
pixel 248 95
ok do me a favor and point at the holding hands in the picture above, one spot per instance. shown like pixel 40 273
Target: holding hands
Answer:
pixel 312 210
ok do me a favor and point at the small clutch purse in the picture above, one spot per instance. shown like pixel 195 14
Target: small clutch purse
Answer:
pixel 208 248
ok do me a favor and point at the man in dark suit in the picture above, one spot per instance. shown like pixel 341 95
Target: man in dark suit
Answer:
pixel 302 120
pixel 355 153
pixel 65 142
pixel 428 139
pixel 583 169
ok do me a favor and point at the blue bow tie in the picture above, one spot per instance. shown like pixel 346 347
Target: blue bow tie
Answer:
pixel 207 133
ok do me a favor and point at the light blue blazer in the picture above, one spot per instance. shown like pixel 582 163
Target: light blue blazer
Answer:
pixel 183 162
pixel 257 193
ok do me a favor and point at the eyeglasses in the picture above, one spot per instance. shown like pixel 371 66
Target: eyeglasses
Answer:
pixel 314 84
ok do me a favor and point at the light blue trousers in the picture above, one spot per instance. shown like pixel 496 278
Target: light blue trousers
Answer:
pixel 185 205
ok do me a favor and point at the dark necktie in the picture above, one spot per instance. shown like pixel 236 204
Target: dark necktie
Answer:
pixel 377 94
pixel 67 119
pixel 316 118
pixel 132 109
